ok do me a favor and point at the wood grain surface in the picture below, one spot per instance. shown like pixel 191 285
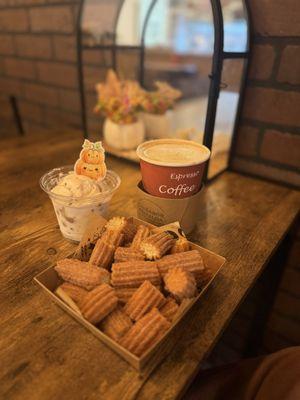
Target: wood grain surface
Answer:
pixel 44 353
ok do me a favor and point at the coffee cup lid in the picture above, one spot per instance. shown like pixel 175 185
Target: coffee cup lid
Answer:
pixel 181 153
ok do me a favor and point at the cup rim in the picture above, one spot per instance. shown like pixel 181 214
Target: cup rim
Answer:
pixel 141 148
pixel 87 200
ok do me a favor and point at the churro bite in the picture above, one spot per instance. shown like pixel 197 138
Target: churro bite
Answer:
pixel 98 303
pixel 123 254
pixel 205 277
pixel 124 293
pixel 116 223
pixel 64 296
pixel 180 283
pixel 141 234
pixel 143 300
pixel 123 225
pixel 112 237
pixel 81 273
pixel 155 246
pixel 116 324
pixel 76 293
pixel 169 309
pixel 181 245
pixel 134 273
pixel 102 255
pixel 146 332
pixel 190 261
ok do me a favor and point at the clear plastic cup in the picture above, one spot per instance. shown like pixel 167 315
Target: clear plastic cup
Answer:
pixel 73 213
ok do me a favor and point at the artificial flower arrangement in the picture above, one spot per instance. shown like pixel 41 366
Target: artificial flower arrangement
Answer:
pixel 121 100
pixel 118 100
pixel 157 110
pixel 161 99
pixel 125 106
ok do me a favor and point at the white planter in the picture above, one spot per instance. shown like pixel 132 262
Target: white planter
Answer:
pixel 124 137
pixel 158 126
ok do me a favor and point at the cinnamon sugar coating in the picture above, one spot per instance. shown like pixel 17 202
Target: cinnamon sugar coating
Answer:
pixel 146 332
pixel 123 254
pixel 76 293
pixel 112 237
pixel 67 299
pixel 98 303
pixel 169 309
pixel 155 246
pixel 205 277
pixel 81 273
pixel 190 261
pixel 123 225
pixel 181 245
pixel 134 273
pixel 102 255
pixel 116 324
pixel 142 233
pixel 124 293
pixel 143 300
pixel 180 283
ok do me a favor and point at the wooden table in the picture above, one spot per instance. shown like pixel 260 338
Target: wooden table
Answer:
pixel 44 353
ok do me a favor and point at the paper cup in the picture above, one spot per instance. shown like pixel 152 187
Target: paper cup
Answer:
pixel 172 168
pixel 159 211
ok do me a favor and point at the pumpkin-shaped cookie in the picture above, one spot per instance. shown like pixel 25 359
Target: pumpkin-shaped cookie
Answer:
pixel 93 171
pixel 91 161
pixel 91 156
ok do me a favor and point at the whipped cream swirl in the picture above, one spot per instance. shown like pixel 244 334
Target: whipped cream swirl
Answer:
pixel 76 186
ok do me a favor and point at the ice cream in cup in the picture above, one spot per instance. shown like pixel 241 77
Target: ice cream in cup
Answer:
pixel 81 191
pixel 172 168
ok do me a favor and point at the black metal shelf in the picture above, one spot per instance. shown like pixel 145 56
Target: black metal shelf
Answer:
pixel 110 47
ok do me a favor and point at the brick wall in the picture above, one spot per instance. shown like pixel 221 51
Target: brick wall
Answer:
pixel 268 139
pixel 38 63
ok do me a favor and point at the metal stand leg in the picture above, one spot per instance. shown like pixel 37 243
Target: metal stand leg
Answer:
pixel 16 113
pixel 270 282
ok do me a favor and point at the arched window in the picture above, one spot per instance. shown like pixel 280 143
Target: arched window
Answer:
pixel 198 46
